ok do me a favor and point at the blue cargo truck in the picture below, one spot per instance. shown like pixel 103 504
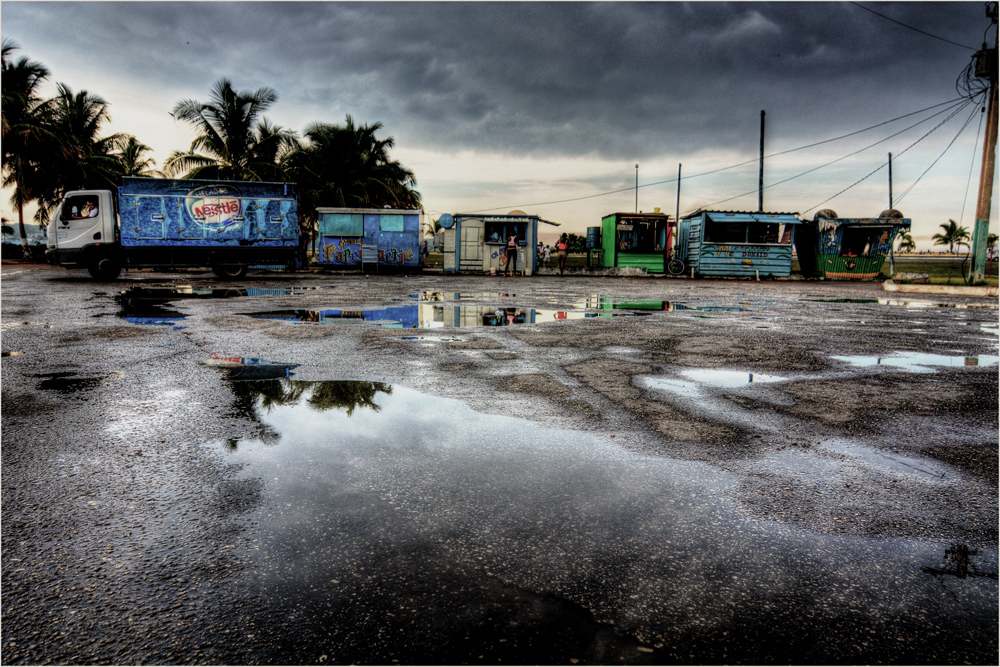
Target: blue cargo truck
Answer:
pixel 228 226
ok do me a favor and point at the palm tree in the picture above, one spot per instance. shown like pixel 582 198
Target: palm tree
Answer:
pixel 234 141
pixel 26 137
pixel 347 165
pixel 991 240
pixel 132 161
pixel 78 119
pixel 953 235
pixel 906 243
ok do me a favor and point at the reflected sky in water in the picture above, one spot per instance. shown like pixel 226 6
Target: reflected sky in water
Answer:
pixel 409 501
pixel 920 362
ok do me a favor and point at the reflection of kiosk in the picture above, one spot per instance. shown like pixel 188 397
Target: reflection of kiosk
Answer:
pixel 847 248
pixel 734 243
pixel 479 242
pixel 636 239
pixel 395 232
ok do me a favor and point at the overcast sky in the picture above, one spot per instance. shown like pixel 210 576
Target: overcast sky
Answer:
pixel 497 106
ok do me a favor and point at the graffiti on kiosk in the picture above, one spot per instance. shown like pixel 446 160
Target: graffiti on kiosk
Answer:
pixel 394 256
pixel 348 251
pixel 344 251
pixel 499 253
pixel 742 253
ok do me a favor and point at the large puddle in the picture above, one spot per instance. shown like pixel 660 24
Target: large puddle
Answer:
pixel 430 316
pixel 150 305
pixel 398 526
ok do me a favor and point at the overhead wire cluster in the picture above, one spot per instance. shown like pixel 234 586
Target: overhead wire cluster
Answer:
pixel 972 90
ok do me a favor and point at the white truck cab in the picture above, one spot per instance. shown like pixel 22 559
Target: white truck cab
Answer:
pixel 81 233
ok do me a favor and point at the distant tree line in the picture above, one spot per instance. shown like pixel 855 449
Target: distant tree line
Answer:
pixel 54 145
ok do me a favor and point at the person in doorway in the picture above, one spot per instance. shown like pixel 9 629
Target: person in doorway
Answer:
pixel 511 268
pixel 562 250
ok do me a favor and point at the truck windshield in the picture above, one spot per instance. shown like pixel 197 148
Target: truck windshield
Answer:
pixel 79 207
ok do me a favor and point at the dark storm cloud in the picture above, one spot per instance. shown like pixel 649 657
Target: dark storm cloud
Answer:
pixel 618 80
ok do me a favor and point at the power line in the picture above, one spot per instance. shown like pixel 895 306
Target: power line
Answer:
pixel 844 157
pixel 732 166
pixel 884 164
pixel 946 148
pixel 975 151
pixel 922 32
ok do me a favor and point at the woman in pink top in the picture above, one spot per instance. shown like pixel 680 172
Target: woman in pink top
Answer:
pixel 563 249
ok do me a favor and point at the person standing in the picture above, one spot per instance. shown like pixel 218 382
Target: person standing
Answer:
pixel 562 250
pixel 511 267
pixel 546 253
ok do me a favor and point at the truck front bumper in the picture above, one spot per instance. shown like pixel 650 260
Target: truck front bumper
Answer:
pixel 67 258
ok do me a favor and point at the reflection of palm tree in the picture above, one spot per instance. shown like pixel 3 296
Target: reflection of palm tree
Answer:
pixel 252 397
pixel 347 394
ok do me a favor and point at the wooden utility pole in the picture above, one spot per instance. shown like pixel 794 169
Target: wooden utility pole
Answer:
pixel 984 202
pixel 677 210
pixel 890 180
pixel 760 179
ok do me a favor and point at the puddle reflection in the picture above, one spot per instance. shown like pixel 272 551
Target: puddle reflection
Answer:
pixel 962 562
pixel 919 362
pixel 723 379
pixel 430 316
pixel 67 382
pixel 254 400
pixel 148 305
pixel 380 499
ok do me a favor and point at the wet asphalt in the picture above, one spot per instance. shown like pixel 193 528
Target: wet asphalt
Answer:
pixel 712 472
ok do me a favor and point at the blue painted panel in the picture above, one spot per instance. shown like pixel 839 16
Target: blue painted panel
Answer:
pixel 179 212
pixel 149 218
pixel 271 220
pixel 395 248
pixel 744 260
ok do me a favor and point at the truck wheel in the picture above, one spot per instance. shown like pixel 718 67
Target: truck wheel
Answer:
pixel 104 268
pixel 229 271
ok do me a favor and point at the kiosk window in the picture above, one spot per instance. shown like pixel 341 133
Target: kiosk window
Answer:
pixel 764 233
pixel 860 242
pixel 725 232
pixel 341 224
pixel 497 232
pixel 641 236
pixel 391 223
